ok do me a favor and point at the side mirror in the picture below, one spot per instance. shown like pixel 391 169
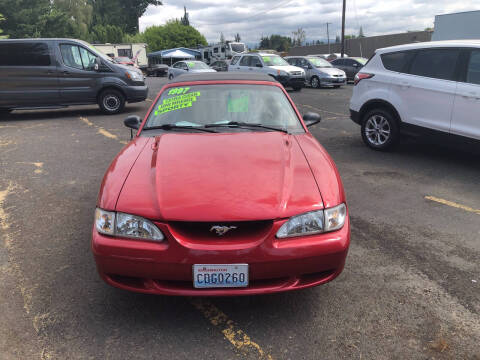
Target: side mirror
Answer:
pixel 98 63
pixel 132 122
pixel 258 65
pixel 311 118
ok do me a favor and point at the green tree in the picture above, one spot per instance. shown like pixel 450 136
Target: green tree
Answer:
pixel 299 36
pixel 184 20
pixel 360 33
pixel 276 42
pixel 121 13
pixel 1 31
pixel 172 35
pixel 79 15
pixel 106 34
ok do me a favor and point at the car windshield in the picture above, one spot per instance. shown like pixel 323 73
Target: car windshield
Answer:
pixel 197 65
pixel 274 60
pixel 200 105
pixel 319 63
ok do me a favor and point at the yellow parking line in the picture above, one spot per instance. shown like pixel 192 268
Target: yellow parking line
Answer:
pixel 453 204
pixel 237 337
pixel 102 131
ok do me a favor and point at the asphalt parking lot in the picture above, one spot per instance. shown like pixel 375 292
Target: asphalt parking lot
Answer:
pixel 410 288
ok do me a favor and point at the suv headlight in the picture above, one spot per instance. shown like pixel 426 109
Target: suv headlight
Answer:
pixel 134 75
pixel 314 222
pixel 126 225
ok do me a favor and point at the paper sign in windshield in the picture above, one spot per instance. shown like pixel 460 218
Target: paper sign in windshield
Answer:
pixel 238 105
pixel 177 103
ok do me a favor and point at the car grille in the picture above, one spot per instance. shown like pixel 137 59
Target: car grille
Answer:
pixel 212 231
pixel 338 76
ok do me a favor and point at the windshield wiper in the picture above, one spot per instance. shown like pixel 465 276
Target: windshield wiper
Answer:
pixel 244 124
pixel 175 127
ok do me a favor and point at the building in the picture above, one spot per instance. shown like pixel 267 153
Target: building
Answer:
pixel 457 26
pixel 138 50
pixel 364 47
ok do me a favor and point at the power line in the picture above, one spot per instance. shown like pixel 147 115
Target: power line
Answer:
pixel 251 16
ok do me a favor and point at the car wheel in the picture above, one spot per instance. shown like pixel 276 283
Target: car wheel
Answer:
pixel 170 77
pixel 315 82
pixel 111 101
pixel 380 129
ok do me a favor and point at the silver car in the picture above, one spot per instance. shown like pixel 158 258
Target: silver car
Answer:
pixel 319 72
pixel 188 67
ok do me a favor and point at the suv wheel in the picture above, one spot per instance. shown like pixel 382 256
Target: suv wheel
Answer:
pixel 380 129
pixel 315 82
pixel 111 101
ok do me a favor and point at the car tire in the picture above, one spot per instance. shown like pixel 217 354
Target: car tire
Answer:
pixel 111 101
pixel 315 82
pixel 380 129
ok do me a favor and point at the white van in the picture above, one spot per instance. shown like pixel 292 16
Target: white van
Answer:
pixel 419 88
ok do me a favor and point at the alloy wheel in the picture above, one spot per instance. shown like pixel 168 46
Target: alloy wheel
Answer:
pixel 377 130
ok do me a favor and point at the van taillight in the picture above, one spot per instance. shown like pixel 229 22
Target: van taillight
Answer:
pixel 361 76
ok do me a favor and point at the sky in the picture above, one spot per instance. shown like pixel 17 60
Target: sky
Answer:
pixel 252 19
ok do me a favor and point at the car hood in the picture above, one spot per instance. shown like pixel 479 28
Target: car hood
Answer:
pixel 331 71
pixel 220 177
pixel 202 70
pixel 288 68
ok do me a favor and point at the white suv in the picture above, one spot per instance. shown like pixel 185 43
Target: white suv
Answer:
pixel 273 65
pixel 419 88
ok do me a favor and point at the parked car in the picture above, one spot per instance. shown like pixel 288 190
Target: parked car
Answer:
pixel 220 65
pixel 180 212
pixel 46 73
pixel 422 88
pixel 270 64
pixel 123 60
pixel 319 72
pixel 157 70
pixel 188 66
pixel 351 65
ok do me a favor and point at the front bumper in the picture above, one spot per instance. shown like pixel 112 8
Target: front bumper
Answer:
pixel 355 116
pixel 275 265
pixel 295 82
pixel 333 81
pixel 136 93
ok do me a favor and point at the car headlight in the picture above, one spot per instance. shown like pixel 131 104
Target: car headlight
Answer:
pixel 314 222
pixel 134 75
pixel 126 225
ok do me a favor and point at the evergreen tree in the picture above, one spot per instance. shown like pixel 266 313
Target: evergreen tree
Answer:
pixel 360 33
pixel 222 38
pixel 184 20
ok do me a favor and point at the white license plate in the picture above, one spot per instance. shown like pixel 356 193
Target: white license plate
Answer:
pixel 220 275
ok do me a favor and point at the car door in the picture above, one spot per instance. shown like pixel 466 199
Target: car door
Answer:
pixel 28 74
pixel 307 66
pixel 466 108
pixel 244 63
pixel 424 95
pixel 349 67
pixel 78 78
pixel 255 64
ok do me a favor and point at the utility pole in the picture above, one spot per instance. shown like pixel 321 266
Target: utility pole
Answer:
pixel 328 38
pixel 343 28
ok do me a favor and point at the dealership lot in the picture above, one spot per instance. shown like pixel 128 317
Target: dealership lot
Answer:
pixel 410 288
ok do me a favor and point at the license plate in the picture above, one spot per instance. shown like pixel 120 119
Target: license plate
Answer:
pixel 220 275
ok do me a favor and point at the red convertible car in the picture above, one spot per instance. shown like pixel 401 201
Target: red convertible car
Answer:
pixel 223 191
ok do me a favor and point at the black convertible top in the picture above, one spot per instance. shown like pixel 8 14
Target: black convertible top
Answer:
pixel 234 75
